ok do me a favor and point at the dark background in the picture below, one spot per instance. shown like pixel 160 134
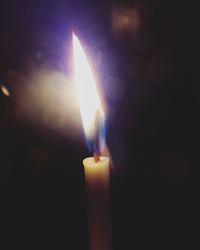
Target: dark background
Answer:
pixel 150 80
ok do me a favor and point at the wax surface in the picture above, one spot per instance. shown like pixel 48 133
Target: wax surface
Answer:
pixel 96 166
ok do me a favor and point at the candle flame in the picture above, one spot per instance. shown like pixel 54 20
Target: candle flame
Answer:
pixel 89 100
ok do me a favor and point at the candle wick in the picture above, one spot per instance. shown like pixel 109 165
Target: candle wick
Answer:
pixel 96 157
pixel 97 135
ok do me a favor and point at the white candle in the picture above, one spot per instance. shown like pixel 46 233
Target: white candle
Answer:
pixel 97 187
pixel 96 168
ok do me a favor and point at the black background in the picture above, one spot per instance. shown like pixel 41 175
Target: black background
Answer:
pixel 151 130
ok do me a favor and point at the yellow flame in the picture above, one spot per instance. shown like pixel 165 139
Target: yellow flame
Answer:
pixel 87 93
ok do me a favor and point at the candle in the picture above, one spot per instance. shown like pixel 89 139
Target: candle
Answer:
pixel 97 185
pixel 96 168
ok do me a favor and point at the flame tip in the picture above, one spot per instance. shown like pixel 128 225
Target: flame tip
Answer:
pixel 74 37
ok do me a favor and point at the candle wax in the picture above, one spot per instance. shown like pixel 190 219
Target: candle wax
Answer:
pixel 97 185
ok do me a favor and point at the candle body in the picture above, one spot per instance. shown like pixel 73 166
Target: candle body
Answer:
pixel 97 187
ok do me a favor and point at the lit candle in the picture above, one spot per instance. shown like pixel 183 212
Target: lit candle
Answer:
pixel 96 168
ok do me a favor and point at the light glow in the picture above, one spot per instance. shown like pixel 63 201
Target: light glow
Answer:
pixel 5 90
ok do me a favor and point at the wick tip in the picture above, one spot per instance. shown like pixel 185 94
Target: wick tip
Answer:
pixel 96 157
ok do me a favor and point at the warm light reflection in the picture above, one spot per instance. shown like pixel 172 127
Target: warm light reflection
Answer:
pixel 5 90
pixel 89 101
pixel 124 20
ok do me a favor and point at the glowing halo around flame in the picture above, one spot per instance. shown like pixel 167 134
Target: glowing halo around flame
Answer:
pixel 89 100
